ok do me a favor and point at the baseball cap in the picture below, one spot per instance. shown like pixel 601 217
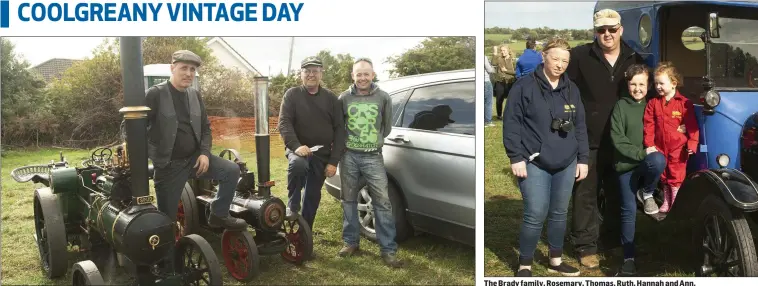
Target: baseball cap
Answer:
pixel 606 17
pixel 311 61
pixel 186 56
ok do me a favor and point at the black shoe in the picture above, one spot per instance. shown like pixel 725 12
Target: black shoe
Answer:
pixel 524 273
pixel 228 222
pixel 564 269
pixel 628 269
pixel 390 259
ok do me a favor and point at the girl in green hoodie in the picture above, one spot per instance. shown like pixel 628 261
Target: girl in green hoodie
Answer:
pixel 638 172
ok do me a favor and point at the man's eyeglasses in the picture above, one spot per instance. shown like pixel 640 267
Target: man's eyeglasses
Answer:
pixel 309 72
pixel 602 30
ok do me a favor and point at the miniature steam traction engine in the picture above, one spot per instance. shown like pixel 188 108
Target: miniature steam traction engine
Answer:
pixel 254 203
pixel 106 204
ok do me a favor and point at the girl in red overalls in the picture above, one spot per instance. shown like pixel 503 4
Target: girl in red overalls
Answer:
pixel 670 128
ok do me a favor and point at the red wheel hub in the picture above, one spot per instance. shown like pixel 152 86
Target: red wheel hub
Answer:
pixel 236 254
pixel 294 250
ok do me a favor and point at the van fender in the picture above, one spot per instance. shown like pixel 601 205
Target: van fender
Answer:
pixel 732 185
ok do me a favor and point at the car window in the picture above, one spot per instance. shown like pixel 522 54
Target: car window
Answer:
pixel 447 107
pixel 398 100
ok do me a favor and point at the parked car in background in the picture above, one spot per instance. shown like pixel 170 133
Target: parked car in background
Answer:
pixel 429 157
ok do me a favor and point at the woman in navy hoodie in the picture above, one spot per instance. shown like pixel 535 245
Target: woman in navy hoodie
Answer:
pixel 545 138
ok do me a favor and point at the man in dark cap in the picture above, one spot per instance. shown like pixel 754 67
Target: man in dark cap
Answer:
pixel 179 143
pixel 312 128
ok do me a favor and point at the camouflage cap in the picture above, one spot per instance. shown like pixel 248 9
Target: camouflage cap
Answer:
pixel 311 61
pixel 186 56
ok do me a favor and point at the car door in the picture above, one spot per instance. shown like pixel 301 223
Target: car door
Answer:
pixel 431 154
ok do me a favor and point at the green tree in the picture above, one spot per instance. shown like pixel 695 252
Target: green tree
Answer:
pixel 435 54
pixel 23 98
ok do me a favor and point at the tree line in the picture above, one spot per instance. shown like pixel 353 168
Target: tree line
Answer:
pixel 80 109
pixel 522 34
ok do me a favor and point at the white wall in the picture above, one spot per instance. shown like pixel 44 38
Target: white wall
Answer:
pixel 226 58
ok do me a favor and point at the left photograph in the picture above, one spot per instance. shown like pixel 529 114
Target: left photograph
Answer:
pixel 238 161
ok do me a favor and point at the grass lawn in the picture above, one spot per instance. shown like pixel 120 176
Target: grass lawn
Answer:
pixel 430 260
pixel 659 246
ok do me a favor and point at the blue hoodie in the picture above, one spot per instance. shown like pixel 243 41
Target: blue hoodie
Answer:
pixel 527 119
pixel 527 62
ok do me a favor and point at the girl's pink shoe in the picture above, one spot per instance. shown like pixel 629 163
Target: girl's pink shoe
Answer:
pixel 666 205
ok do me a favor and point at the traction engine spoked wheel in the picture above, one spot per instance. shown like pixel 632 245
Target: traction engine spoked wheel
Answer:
pixel 240 255
pixel 725 243
pixel 50 233
pixel 196 262
pixel 299 240
pixel 186 213
pixel 86 273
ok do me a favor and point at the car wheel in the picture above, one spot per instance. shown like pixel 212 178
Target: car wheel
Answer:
pixel 367 218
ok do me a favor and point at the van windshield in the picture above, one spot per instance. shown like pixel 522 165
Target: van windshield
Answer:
pixel 734 55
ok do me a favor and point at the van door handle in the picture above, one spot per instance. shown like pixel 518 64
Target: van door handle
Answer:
pixel 399 138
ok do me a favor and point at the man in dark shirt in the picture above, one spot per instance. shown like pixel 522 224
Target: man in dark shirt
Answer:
pixel 312 128
pixel 179 143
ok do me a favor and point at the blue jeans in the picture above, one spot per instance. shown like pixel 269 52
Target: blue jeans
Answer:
pixel 546 196
pixel 487 102
pixel 648 173
pixel 357 170
pixel 305 173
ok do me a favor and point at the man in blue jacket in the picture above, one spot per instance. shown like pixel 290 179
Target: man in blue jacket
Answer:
pixel 529 60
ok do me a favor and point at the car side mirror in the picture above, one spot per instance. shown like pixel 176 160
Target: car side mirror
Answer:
pixel 713 25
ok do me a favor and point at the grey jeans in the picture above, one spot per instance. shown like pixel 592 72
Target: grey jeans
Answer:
pixel 170 181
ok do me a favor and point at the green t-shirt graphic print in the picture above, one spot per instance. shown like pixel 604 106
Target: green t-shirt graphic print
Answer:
pixel 361 125
pixel 367 118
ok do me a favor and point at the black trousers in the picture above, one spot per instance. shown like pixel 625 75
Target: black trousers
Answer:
pixel 587 228
pixel 501 91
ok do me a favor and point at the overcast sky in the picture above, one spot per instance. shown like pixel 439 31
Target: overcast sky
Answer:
pixel 264 53
pixel 556 15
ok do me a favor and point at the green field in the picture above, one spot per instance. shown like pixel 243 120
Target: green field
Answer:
pixel 430 260
pixel 659 246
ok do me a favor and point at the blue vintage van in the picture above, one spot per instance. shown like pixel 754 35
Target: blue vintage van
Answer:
pixel 715 47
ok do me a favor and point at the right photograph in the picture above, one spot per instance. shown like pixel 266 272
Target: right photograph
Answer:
pixel 620 139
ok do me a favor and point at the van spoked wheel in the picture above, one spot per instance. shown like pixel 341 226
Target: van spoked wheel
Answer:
pixel 85 273
pixel 240 254
pixel 725 245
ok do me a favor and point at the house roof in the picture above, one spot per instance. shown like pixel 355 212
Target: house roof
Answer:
pixel 53 68
pixel 234 52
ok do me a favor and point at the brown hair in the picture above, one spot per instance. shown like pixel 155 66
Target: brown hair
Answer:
pixel 556 43
pixel 668 69
pixel 636 69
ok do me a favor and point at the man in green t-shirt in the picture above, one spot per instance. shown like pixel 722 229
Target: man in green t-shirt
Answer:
pixel 367 111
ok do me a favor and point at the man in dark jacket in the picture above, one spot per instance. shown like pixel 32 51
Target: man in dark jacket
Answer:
pixel 313 130
pixel 598 69
pixel 179 143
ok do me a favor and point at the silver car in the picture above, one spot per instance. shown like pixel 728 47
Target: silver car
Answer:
pixel 429 157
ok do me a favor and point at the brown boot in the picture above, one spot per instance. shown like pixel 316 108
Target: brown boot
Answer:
pixel 348 250
pixel 589 261
pixel 392 261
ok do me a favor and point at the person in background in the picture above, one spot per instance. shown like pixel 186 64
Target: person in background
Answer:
pixel 504 76
pixel 529 60
pixel 545 138
pixel 633 165
pixel 488 93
